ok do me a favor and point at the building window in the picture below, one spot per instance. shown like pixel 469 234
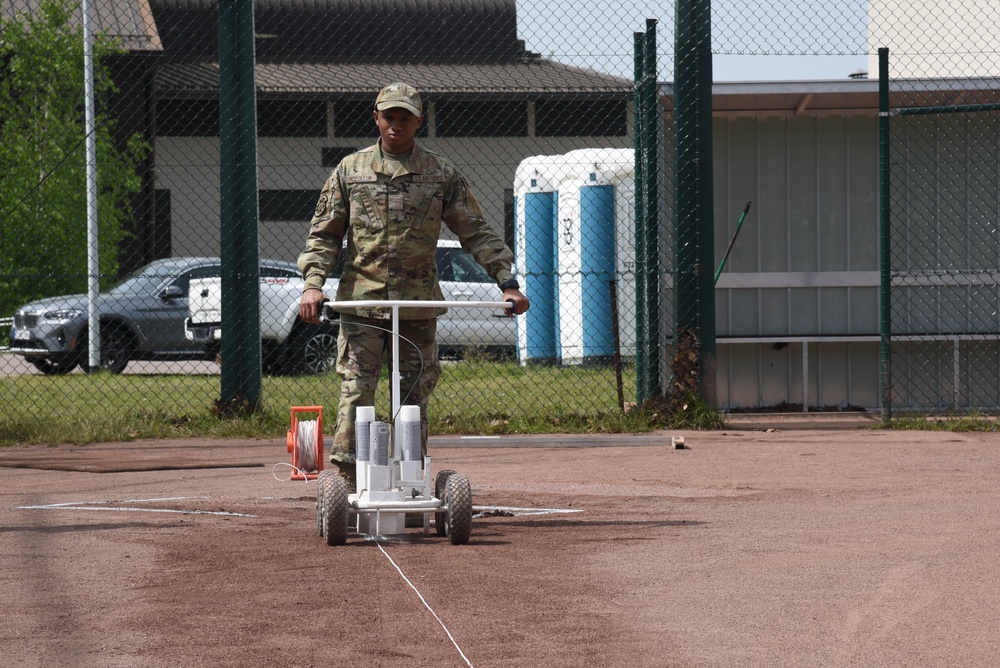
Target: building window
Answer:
pixel 291 118
pixel 580 118
pixel 187 118
pixel 275 118
pixel 509 221
pixel 353 118
pixel 481 119
pixel 332 155
pixel 293 205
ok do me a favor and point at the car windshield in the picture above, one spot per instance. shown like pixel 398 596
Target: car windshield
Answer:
pixel 143 281
pixel 454 264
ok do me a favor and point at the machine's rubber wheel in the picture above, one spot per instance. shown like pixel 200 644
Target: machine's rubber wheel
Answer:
pixel 335 510
pixel 458 496
pixel 321 481
pixel 439 482
pixel 54 367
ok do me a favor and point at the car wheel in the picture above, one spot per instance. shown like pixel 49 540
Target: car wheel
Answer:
pixel 272 358
pixel 315 349
pixel 115 352
pixel 54 367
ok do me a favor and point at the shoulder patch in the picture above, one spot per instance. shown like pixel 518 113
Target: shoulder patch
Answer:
pixel 322 205
pixel 362 178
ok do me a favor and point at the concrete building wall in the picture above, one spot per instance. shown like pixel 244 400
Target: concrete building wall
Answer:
pixel 189 168
pixel 933 39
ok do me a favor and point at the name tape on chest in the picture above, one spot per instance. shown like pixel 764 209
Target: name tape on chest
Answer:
pixel 362 178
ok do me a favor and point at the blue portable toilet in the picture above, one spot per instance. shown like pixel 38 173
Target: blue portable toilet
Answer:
pixel 535 255
pixel 594 239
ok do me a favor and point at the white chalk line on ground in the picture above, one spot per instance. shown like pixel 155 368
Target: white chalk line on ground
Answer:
pixel 109 506
pixel 478 510
pixel 422 599
pixel 525 511
pixel 105 506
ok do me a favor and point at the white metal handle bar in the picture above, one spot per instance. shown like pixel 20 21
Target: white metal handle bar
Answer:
pixel 413 303
pixel 326 315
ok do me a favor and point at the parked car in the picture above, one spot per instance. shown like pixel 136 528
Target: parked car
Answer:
pixel 289 345
pixel 141 318
pixel 462 279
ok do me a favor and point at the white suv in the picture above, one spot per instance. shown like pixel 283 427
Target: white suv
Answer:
pixel 292 346
pixel 462 279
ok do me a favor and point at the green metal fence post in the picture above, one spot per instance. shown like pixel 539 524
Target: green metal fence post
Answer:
pixel 695 236
pixel 641 285
pixel 647 156
pixel 706 208
pixel 651 188
pixel 238 204
pixel 885 320
pixel 685 234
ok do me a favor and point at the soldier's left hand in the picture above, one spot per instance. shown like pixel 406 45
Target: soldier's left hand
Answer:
pixel 520 301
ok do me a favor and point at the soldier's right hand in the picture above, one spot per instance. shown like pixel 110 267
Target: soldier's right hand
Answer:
pixel 311 304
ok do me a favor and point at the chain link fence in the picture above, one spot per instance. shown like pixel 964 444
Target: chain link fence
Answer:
pixel 943 191
pixel 529 114
pixel 618 199
pixel 894 270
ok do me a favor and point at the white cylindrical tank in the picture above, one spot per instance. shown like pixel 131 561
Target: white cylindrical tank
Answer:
pixel 595 222
pixel 365 415
pixel 379 443
pixel 410 422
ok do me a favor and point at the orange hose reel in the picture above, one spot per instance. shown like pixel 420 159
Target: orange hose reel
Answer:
pixel 292 439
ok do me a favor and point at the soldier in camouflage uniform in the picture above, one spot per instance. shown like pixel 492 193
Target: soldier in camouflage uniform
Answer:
pixel 388 201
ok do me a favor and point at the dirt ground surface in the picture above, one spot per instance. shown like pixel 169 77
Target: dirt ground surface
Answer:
pixel 781 541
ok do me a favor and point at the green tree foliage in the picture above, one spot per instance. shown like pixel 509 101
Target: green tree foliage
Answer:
pixel 43 210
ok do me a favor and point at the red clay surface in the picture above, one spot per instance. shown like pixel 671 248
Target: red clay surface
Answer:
pixel 815 544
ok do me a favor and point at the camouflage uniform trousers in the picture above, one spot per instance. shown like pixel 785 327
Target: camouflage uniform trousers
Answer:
pixel 361 346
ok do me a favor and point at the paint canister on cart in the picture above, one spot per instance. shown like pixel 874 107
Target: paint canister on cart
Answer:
pixel 410 425
pixel 362 431
pixel 379 455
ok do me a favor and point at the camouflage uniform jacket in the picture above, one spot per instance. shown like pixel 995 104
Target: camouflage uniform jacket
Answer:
pixel 392 222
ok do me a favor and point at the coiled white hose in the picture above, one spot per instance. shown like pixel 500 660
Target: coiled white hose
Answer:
pixel 306 446
pixel 305 452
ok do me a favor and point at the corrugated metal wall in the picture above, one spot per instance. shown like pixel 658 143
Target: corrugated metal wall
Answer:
pixel 946 249
pixel 797 306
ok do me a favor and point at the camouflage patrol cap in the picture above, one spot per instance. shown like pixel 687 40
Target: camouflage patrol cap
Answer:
pixel 400 95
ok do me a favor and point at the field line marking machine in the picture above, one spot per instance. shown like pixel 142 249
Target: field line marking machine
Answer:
pixel 394 480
